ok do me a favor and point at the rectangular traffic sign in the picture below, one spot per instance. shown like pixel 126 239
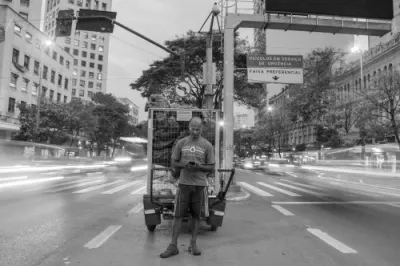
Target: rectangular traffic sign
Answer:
pixel 287 69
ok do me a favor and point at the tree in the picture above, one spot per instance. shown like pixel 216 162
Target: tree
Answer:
pixel 244 138
pixel 166 74
pixel 81 119
pixel 383 98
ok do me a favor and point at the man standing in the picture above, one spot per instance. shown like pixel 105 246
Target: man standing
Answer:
pixel 194 155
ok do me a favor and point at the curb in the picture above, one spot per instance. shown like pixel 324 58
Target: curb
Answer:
pixel 241 198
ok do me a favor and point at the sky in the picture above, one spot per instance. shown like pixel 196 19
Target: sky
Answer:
pixel 162 20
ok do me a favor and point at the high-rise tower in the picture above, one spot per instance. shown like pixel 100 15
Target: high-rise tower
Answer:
pixel 89 49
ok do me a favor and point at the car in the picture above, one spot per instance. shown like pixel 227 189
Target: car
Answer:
pixel 251 164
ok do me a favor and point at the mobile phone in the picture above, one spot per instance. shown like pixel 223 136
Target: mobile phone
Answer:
pixel 192 163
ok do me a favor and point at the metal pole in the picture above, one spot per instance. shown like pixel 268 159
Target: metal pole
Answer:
pixel 39 90
pixel 361 70
pixel 209 69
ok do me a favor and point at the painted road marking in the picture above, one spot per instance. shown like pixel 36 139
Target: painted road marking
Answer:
pixel 13 178
pixel 290 174
pixel 255 190
pixel 301 189
pixel 117 189
pixel 394 205
pixel 282 210
pixel 89 189
pixel 102 237
pixel 304 185
pixel 74 186
pixel 332 241
pixel 286 192
pixel 58 185
pixel 139 191
pixel 138 208
pixel 331 202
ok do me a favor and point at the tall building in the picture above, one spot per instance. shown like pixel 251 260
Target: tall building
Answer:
pixel 30 10
pixel 241 120
pixel 89 49
pixel 133 110
pixel 24 55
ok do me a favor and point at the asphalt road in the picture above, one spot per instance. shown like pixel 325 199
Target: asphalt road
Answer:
pixel 293 217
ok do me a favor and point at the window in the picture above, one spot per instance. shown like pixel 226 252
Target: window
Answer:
pixel 15 56
pixel 24 15
pixel 24 84
pixel 83 73
pixel 27 61
pixel 23 104
pixel 25 3
pixel 13 80
pixel 82 83
pixel 94 37
pixel 44 91
pixel 61 60
pixel 65 84
pixel 53 76
pixel 76 42
pixel 65 99
pixel 93 46
pixel 100 57
pixel 86 35
pixel 79 3
pixel 104 6
pixel 98 86
pixel 60 78
pixel 91 75
pixel 67 49
pixel 91 65
pixel 76 52
pixel 73 92
pixel 28 37
pixel 45 70
pixel 90 94
pixel 84 54
pixel 75 72
pixel 96 4
pixel 58 97
pixel 11 105
pixel 83 63
pixel 100 67
pixel 35 88
pixel 90 85
pixel 38 43
pixel 84 44
pixel 55 55
pixel 74 82
pixel 67 64
pixel 77 33
pixel 81 93
pixel 99 77
pixel 51 96
pixel 101 48
pixel 36 66
pixel 47 50
pixel 87 4
pixel 76 61
pixel 67 40
pixel 17 29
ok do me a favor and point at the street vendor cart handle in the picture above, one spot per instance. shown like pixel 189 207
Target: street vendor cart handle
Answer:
pixel 222 193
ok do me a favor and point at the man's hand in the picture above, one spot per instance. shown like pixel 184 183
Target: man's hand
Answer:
pixel 199 167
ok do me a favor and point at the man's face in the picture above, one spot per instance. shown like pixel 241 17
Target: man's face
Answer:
pixel 195 130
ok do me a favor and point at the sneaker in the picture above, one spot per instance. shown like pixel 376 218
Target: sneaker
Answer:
pixel 172 250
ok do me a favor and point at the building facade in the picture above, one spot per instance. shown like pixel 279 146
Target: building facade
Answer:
pixel 30 10
pixel 133 110
pixel 241 121
pixel 89 49
pixel 23 57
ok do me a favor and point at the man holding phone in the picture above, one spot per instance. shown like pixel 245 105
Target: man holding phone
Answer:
pixel 194 155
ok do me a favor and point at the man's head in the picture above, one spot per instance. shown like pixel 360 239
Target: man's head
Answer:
pixel 195 127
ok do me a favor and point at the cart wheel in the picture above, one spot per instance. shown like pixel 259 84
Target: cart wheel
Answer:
pixel 151 228
pixel 214 228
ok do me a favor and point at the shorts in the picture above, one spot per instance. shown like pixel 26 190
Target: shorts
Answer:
pixel 189 198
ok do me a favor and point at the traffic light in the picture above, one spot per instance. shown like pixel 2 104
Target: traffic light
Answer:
pixel 64 23
pixel 95 20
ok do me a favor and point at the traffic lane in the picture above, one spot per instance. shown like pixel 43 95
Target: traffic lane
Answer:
pixel 252 232
pixel 39 224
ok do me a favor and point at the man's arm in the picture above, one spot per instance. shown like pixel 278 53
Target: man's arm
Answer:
pixel 176 156
pixel 178 164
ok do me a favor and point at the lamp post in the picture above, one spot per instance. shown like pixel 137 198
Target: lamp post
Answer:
pixel 46 43
pixel 357 49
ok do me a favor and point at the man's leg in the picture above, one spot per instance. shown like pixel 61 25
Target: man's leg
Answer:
pixel 181 207
pixel 196 205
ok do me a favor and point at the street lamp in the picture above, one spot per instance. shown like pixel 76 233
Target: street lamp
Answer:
pixel 46 43
pixel 357 49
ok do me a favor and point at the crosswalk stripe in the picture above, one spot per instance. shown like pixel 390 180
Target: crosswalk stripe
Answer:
pixel 102 237
pixel 74 186
pixel 304 185
pixel 57 185
pixel 291 174
pixel 139 191
pixel 136 209
pixel 124 186
pixel 89 189
pixel 331 241
pixel 282 210
pixel 301 189
pixel 286 192
pixel 255 190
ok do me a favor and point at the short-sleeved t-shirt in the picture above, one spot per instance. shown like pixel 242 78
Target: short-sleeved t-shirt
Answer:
pixel 199 151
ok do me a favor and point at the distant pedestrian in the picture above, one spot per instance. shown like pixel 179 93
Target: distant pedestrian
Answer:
pixel 194 155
